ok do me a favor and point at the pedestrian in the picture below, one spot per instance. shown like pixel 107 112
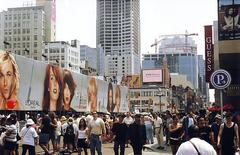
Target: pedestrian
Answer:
pixel 195 145
pixel 168 122
pixel 29 138
pixel 52 133
pixel 188 120
pixel 11 137
pixel 158 126
pixel 44 134
pixel 137 135
pixel 148 122
pixel 175 134
pixel 228 136
pixel 128 120
pixel 58 133
pixel 215 128
pixel 70 133
pixel 96 129
pixel 82 137
pixel 205 131
pixel 119 131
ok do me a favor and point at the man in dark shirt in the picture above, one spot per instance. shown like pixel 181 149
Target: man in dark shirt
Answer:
pixel 137 135
pixel 119 130
pixel 205 131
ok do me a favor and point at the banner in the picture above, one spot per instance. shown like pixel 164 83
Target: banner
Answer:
pixel 131 81
pixel 209 53
pixel 31 85
pixel 228 19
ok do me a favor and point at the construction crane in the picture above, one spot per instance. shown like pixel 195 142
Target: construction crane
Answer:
pixel 186 35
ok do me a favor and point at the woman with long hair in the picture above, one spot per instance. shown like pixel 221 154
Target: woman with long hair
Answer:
pixel 110 105
pixel 9 81
pixel 92 94
pixel 82 136
pixel 117 99
pixel 52 98
pixel 69 87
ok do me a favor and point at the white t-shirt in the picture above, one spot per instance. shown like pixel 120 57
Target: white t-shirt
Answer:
pixel 82 134
pixel 190 121
pixel 58 129
pixel 28 135
pixel 128 120
pixel 203 147
pixel 157 122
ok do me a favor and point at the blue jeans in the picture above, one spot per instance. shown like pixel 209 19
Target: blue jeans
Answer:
pixel 116 146
pixel 149 133
pixel 95 143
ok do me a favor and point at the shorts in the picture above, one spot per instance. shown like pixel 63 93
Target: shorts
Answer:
pixel 11 146
pixel 82 143
pixel 58 140
pixel 69 139
pixel 43 138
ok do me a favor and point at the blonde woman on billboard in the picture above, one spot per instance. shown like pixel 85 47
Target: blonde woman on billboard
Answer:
pixel 69 87
pixel 92 94
pixel 231 18
pixel 110 105
pixel 117 99
pixel 52 98
pixel 9 82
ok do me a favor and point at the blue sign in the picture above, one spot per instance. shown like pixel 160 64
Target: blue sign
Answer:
pixel 220 79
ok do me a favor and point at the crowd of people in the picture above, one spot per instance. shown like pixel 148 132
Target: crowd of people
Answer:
pixel 185 134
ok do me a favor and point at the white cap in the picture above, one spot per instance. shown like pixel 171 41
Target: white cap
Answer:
pixel 30 122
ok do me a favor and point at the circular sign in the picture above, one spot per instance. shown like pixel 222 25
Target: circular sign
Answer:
pixel 220 79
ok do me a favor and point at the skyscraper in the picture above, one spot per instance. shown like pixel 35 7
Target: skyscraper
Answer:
pixel 118 32
pixel 24 29
pixel 49 7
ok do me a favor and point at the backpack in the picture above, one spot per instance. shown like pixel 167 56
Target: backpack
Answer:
pixel 69 130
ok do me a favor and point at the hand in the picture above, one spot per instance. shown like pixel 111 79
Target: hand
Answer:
pixel 219 146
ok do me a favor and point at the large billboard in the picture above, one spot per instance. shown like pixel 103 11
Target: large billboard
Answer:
pixel 152 75
pixel 131 81
pixel 209 55
pixel 27 84
pixel 228 19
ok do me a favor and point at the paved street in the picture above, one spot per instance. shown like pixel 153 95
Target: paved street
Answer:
pixel 108 150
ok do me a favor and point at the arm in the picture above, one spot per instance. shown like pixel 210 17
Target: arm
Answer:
pixel 237 136
pixel 103 127
pixel 220 135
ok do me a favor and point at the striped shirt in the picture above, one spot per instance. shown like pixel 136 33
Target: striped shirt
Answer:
pixel 12 137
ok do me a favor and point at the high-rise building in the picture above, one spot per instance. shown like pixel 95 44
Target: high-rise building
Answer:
pixel 118 32
pixel 23 31
pixel 63 54
pixel 49 7
pixel 94 58
pixel 181 57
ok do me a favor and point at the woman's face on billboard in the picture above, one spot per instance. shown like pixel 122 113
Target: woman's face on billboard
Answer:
pixel 53 86
pixel 66 94
pixel 6 79
pixel 110 97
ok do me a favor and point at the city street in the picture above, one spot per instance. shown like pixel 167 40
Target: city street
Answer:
pixel 108 150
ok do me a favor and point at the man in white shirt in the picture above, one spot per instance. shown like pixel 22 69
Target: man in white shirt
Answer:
pixel 157 121
pixel 195 146
pixel 96 128
pixel 128 119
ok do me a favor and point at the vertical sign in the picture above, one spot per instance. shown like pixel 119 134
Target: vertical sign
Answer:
pixel 209 55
